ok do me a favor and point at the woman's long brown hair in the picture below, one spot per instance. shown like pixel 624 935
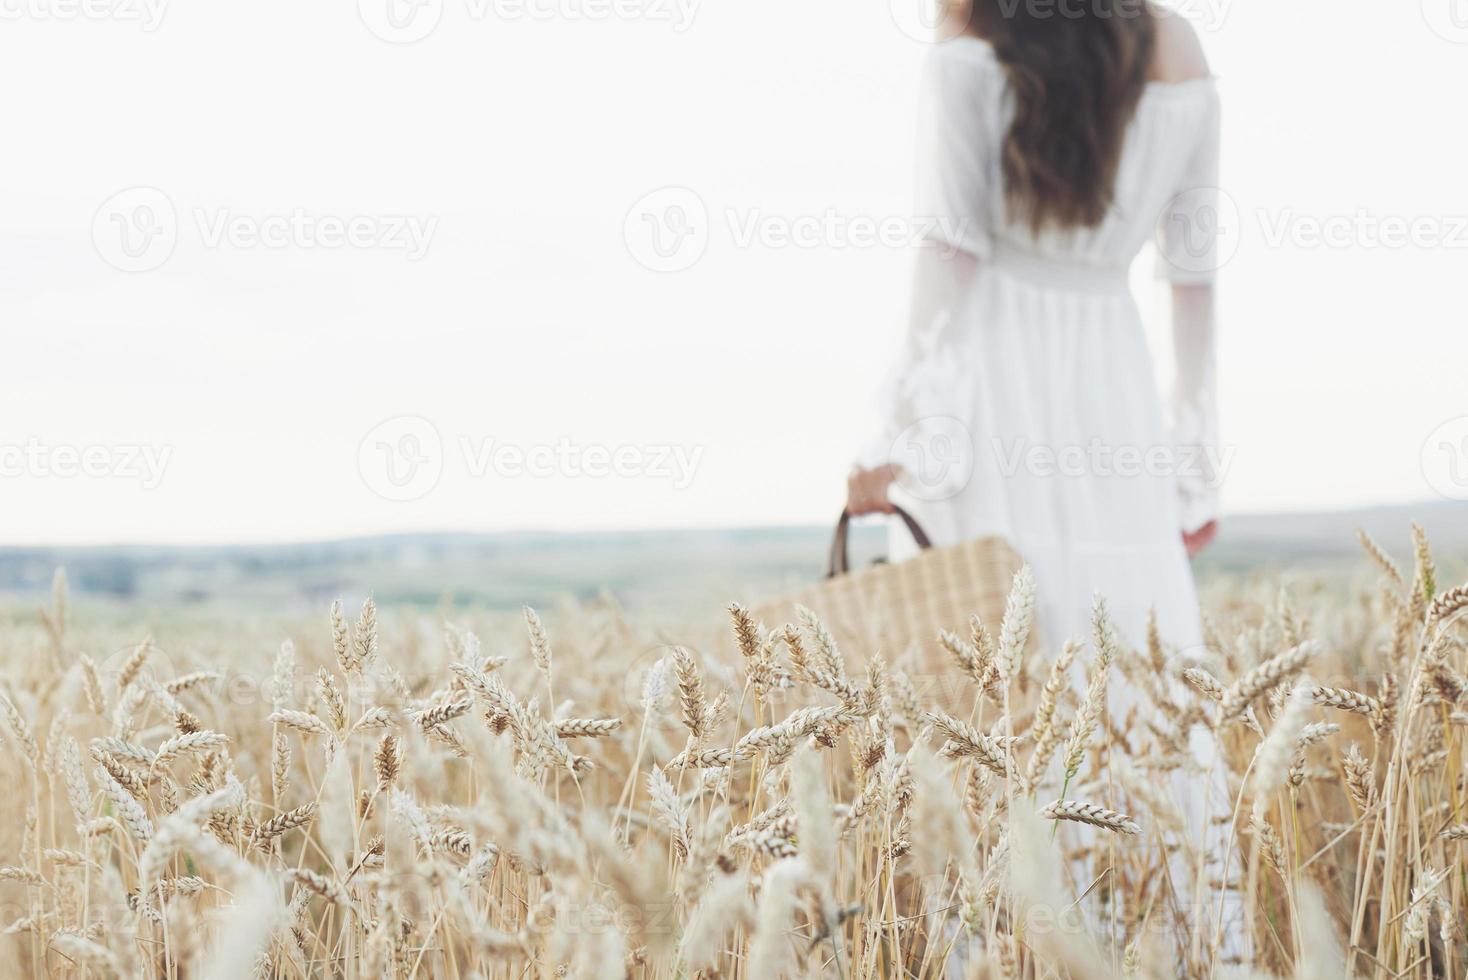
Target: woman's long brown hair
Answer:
pixel 1077 69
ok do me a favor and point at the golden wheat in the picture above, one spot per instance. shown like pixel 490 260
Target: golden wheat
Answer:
pixel 386 798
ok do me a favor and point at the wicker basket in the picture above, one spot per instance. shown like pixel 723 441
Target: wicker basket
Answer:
pixel 896 609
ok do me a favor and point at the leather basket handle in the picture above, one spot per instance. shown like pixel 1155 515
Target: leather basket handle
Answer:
pixel 838 563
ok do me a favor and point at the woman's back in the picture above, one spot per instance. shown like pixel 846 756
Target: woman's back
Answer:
pixel 1026 340
pixel 1165 179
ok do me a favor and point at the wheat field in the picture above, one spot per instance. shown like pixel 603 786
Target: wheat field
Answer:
pixel 463 796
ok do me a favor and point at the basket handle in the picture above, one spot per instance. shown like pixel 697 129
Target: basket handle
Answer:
pixel 839 564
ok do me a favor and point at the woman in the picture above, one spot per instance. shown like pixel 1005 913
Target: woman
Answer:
pixel 1056 141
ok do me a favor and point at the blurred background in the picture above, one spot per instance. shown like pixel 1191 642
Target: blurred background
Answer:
pixel 504 299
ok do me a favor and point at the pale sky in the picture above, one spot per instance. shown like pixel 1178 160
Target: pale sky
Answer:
pixel 456 254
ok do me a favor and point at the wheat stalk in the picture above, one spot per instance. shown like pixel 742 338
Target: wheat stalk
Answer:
pixel 1090 813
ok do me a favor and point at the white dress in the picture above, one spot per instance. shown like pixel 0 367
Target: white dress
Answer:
pixel 1024 401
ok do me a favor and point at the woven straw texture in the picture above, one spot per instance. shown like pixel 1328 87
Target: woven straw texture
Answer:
pixel 892 609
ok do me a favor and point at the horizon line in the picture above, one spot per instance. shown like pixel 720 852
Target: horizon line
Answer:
pixel 551 532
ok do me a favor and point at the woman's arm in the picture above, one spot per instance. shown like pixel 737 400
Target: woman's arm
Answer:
pixel 1195 410
pixel 1189 233
pixel 952 193
pixel 1188 237
pixel 941 277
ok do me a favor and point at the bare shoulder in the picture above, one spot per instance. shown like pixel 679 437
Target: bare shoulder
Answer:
pixel 1179 56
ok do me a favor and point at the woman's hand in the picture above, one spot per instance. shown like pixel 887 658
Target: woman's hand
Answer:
pixel 866 490
pixel 1196 541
